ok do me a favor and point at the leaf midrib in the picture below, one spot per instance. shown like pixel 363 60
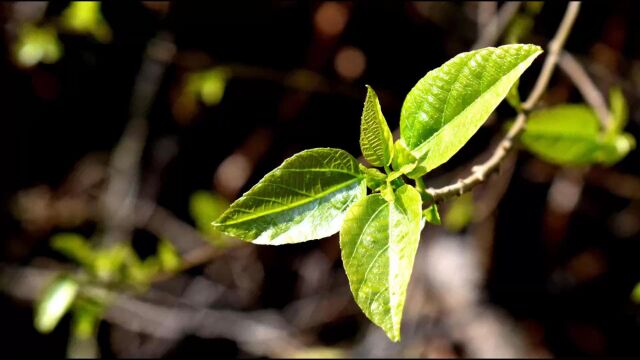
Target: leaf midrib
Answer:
pixel 292 205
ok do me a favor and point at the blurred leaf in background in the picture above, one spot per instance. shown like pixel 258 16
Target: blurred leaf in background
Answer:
pixel 54 303
pixel 36 45
pixel 205 87
pixel 460 213
pixel 87 314
pixel 205 206
pixel 570 135
pixel 84 17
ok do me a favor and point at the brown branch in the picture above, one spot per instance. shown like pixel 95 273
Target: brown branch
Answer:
pixel 480 172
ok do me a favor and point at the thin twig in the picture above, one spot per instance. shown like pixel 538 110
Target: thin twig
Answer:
pixel 480 172
pixel 585 85
pixel 497 25
pixel 121 191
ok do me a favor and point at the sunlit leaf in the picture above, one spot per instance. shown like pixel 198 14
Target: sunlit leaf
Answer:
pixel 459 214
pixel 403 160
pixel 75 247
pixel 109 261
pixel 37 44
pixel 570 135
pixel 374 178
pixel 168 256
pixel 84 17
pixel 55 302
pixel 431 215
pixel 376 141
pixel 447 106
pixel 303 199
pixel 209 85
pixel 379 240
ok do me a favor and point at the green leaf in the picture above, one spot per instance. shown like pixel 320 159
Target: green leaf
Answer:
pixel 619 111
pixel 379 240
pixel 447 106
pixel 460 213
pixel 110 261
pixel 75 247
pixel 432 215
pixel 614 148
pixel 374 178
pixel 513 96
pixel 403 160
pixel 569 135
pixel 376 140
pixel 37 44
pixel 168 256
pixel 86 317
pixel 303 199
pixel 205 206
pixel 55 302
pixel 84 17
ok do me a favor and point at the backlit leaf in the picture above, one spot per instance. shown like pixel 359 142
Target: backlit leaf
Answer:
pixel 570 135
pixel 55 302
pixel 303 199
pixel 379 240
pixel 447 106
pixel 75 247
pixel 431 215
pixel 376 141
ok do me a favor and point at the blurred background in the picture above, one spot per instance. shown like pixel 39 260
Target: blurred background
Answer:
pixel 127 127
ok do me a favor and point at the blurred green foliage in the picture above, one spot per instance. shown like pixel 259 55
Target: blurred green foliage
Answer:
pixel 37 44
pixel 205 206
pixel 54 303
pixel 84 17
pixel 460 213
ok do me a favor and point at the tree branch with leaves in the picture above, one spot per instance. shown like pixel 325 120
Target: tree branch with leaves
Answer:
pixel 319 192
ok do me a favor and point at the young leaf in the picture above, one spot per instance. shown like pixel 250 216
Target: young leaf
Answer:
pixel 303 199
pixel 375 179
pixel 75 247
pixel 379 240
pixel 570 135
pixel 376 141
pixel 55 302
pixel 403 160
pixel 447 106
pixel 431 215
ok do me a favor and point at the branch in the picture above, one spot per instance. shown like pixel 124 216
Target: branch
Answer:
pixel 480 172
pixel 497 25
pixel 585 85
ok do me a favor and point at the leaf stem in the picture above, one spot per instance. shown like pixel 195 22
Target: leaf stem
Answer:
pixel 480 172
